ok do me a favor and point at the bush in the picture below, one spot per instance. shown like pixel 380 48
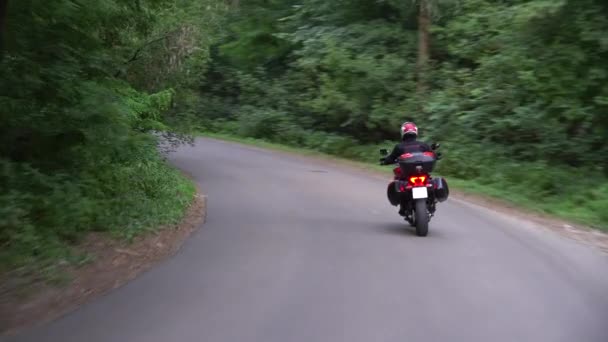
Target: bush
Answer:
pixel 41 214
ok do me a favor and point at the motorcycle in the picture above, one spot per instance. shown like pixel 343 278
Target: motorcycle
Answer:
pixel 415 189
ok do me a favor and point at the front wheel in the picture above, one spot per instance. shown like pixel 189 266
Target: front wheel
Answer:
pixel 421 217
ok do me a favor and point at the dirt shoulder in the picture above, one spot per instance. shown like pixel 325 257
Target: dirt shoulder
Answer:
pixel 582 234
pixel 114 263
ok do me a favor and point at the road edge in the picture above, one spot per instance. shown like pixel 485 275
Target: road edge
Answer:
pixel 590 236
pixel 116 263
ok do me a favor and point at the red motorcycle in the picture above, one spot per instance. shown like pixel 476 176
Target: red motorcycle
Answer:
pixel 415 189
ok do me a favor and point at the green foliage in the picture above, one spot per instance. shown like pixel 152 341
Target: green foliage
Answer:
pixel 536 87
pixel 256 43
pixel 83 84
pixel 517 89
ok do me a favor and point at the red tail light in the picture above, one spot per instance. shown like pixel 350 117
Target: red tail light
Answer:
pixel 406 155
pixel 429 154
pixel 418 180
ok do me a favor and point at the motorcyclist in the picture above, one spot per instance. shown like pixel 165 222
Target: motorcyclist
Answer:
pixel 408 144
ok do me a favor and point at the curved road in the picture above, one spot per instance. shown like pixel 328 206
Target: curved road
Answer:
pixel 297 251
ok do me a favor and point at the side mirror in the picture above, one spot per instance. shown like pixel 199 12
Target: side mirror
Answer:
pixel 383 152
pixel 438 155
pixel 435 146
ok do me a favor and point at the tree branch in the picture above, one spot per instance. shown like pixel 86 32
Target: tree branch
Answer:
pixel 139 50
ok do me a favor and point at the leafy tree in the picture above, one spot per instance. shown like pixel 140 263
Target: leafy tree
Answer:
pixel 77 105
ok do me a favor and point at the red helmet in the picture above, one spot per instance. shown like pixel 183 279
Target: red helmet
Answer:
pixel 409 128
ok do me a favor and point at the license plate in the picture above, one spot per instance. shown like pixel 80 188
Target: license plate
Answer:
pixel 420 192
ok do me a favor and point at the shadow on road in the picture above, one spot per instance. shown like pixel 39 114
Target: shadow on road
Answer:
pixel 405 230
pixel 396 228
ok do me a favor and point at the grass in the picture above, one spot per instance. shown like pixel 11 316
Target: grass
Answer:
pixel 123 201
pixel 592 214
pixel 161 198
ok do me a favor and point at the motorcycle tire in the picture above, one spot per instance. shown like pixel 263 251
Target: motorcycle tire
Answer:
pixel 421 217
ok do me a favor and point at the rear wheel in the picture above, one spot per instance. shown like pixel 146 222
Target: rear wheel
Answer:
pixel 421 217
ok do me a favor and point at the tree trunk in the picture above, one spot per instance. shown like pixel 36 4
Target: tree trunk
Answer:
pixel 3 18
pixel 424 41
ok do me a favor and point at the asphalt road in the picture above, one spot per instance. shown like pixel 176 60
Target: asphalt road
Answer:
pixel 297 251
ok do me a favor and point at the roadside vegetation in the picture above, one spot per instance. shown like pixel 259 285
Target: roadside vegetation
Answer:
pixel 83 83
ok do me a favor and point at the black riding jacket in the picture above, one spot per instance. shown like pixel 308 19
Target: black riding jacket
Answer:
pixel 408 145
